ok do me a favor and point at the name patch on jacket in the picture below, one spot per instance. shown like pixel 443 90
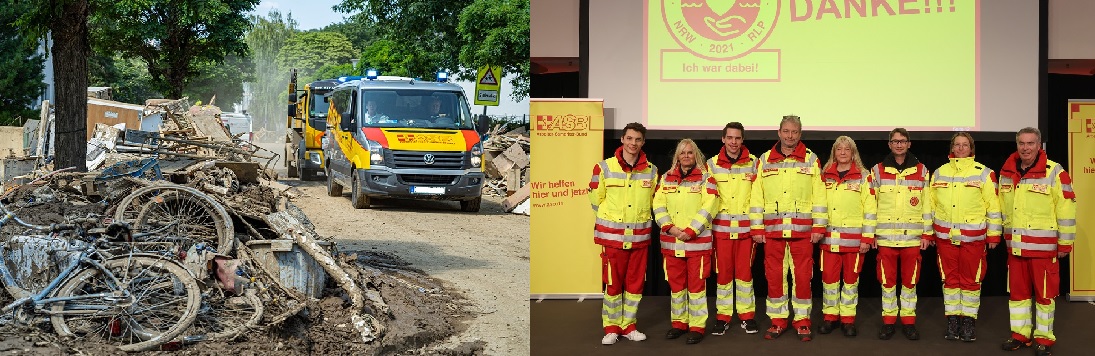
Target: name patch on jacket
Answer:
pixel 1039 188
pixel 647 183
pixel 975 184
pixel 853 187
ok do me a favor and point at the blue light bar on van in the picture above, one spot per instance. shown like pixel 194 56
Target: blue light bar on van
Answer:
pixel 371 74
pixel 348 78
pixel 442 76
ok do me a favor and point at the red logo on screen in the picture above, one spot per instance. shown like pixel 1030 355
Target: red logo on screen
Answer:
pixel 1090 125
pixel 569 122
pixel 720 29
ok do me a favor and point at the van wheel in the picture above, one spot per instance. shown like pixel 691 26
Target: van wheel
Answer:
pixel 333 189
pixel 357 197
pixel 471 206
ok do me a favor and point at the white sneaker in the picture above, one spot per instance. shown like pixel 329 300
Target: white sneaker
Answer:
pixel 635 335
pixel 610 339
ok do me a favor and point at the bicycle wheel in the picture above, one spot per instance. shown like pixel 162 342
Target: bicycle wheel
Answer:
pixel 225 317
pixel 153 301
pixel 194 216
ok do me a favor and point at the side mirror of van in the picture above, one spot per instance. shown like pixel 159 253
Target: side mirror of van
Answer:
pixel 293 110
pixel 346 124
pixel 483 124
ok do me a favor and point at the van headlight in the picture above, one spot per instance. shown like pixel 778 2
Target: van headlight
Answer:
pixel 315 157
pixel 477 155
pixel 376 152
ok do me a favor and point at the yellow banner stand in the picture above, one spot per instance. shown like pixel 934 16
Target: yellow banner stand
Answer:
pixel 568 136
pixel 1081 165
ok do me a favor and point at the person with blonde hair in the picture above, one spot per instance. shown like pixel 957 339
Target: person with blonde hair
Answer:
pixel 683 202
pixel 852 207
pixel 967 216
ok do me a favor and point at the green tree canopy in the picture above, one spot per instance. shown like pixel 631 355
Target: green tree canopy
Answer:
pixel 309 51
pixel 128 77
pixel 20 69
pixel 497 32
pixel 174 37
pixel 222 80
pixel 425 30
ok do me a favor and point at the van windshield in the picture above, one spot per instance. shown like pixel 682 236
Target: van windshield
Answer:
pixel 415 108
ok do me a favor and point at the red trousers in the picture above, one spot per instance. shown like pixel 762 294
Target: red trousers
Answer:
pixel 688 309
pixel 795 255
pixel 962 268
pixel 734 262
pixel 622 272
pixel 837 267
pixel 891 260
pixel 1041 278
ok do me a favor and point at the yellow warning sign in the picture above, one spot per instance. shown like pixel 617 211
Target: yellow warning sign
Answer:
pixel 487 87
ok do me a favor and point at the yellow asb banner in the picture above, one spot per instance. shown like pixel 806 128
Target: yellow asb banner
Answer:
pixel 917 61
pixel 569 137
pixel 1081 165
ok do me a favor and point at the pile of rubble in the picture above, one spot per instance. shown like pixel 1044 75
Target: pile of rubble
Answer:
pixel 506 165
pixel 244 238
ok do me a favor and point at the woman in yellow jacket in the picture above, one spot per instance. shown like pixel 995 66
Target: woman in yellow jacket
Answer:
pixel 852 207
pixel 967 217
pixel 683 202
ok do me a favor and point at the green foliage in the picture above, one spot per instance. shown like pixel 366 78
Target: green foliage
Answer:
pixel 359 33
pixel 266 38
pixel 497 32
pixel 127 77
pixel 309 51
pixel 221 80
pixel 335 71
pixel 20 69
pixel 420 35
pixel 175 38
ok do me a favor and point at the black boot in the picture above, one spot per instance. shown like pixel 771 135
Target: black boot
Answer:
pixel 952 328
pixel 968 333
pixel 828 326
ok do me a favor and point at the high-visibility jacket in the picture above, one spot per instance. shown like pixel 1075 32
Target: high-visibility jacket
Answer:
pixel 966 208
pixel 851 208
pixel 1039 208
pixel 735 183
pixel 904 207
pixel 621 196
pixel 685 202
pixel 788 197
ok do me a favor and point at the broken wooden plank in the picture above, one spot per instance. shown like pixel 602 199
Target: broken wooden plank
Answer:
pixel 513 200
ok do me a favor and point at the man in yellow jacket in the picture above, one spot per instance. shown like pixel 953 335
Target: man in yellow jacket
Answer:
pixel 621 191
pixel 683 203
pixel 1039 209
pixel 900 182
pixel 734 171
pixel 967 217
pixel 787 214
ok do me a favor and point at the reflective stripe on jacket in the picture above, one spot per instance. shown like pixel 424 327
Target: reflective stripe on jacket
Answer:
pixel 621 196
pixel 1039 208
pixel 686 203
pixel 904 209
pixel 788 197
pixel 851 208
pixel 734 181
pixel 966 206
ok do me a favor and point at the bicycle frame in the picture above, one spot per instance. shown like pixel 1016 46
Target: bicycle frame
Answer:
pixel 40 299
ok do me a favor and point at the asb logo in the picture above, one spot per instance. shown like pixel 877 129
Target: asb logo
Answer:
pixel 569 122
pixel 720 29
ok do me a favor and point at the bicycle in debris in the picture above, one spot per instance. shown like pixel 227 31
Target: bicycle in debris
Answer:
pixel 93 285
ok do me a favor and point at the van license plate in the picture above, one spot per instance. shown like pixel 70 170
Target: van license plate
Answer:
pixel 428 190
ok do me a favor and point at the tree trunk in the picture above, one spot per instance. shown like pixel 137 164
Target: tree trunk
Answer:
pixel 70 52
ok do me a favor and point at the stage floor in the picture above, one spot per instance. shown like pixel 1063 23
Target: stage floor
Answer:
pixel 568 327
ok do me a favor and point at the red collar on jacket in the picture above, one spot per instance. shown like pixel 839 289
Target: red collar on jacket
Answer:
pixel 640 164
pixel 674 175
pixel 853 173
pixel 724 159
pixel 1011 167
pixel 799 153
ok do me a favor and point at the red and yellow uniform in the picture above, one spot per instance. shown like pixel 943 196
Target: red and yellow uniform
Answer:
pixel 851 209
pixel 786 206
pixel 904 218
pixel 734 249
pixel 967 214
pixel 1039 210
pixel 685 200
pixel 621 195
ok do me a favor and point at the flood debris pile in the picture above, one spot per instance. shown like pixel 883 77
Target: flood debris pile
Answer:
pixel 506 164
pixel 194 196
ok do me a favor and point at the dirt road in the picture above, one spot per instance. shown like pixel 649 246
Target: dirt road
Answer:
pixel 483 255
